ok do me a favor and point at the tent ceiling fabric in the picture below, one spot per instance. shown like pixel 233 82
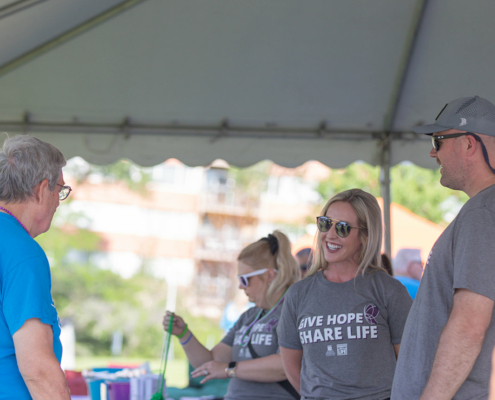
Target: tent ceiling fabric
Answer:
pixel 243 81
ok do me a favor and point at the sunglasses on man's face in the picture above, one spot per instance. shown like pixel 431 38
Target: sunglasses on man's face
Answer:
pixel 342 228
pixel 435 140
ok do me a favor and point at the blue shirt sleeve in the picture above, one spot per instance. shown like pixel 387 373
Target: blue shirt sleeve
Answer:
pixel 26 294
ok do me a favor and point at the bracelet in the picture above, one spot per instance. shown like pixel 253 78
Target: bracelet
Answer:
pixel 188 339
pixel 183 332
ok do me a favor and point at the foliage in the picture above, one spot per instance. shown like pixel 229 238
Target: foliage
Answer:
pixel 420 191
pixel 356 175
pixel 57 241
pixel 99 302
pixel 134 176
pixel 251 181
pixel 417 189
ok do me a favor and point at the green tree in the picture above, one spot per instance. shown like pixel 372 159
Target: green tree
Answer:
pixel 99 301
pixel 418 189
pixel 134 176
pixel 250 182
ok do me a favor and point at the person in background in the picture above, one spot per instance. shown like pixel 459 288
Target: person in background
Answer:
pixel 31 187
pixel 408 269
pixel 304 258
pixel 341 326
pixel 387 264
pixel 450 333
pixel 249 353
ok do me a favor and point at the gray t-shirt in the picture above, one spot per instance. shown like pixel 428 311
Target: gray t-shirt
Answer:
pixel 264 341
pixel 346 331
pixel 462 258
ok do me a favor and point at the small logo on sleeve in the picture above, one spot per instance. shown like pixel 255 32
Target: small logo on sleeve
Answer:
pixel 463 122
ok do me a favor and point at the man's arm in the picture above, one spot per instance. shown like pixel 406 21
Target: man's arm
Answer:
pixel 37 362
pixel 492 378
pixel 459 345
pixel 396 350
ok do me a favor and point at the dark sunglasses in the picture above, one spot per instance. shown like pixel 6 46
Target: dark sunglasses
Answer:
pixel 343 229
pixel 435 140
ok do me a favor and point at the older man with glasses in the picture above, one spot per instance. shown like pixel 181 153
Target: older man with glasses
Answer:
pixel 31 187
pixel 449 335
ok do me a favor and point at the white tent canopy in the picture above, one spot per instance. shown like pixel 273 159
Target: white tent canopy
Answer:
pixel 244 81
pixel 286 80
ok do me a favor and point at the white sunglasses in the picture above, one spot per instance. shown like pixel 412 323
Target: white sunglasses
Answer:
pixel 244 279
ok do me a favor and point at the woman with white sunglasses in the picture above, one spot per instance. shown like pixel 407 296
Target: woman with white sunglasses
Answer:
pixel 341 326
pixel 249 353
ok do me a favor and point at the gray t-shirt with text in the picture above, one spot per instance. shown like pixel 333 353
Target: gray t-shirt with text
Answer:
pixel 463 257
pixel 346 332
pixel 264 341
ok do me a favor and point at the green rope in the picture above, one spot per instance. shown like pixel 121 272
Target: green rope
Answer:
pixel 163 364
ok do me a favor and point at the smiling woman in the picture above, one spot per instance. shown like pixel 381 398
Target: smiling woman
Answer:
pixel 249 353
pixel 341 326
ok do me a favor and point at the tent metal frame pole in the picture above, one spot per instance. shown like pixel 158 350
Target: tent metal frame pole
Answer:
pixel 389 130
pixel 66 36
pixel 17 6
pixel 385 189
pixel 215 131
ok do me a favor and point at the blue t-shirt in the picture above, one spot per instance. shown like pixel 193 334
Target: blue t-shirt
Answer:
pixel 25 292
pixel 412 285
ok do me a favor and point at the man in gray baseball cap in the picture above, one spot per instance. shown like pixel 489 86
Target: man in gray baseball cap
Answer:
pixel 449 335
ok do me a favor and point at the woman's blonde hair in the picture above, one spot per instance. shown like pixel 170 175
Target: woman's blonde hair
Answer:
pixel 274 252
pixel 370 218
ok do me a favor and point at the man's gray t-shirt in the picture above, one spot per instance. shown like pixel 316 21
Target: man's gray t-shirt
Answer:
pixel 462 258
pixel 264 341
pixel 346 331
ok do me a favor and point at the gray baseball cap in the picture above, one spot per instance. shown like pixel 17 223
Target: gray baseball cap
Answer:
pixel 471 114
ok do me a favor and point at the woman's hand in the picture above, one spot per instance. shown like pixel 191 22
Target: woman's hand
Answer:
pixel 178 324
pixel 211 370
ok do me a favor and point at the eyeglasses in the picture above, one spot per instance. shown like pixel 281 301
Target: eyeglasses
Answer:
pixel 64 193
pixel 343 229
pixel 435 140
pixel 244 279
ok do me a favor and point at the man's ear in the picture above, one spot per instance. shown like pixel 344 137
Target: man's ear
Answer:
pixel 39 191
pixel 472 144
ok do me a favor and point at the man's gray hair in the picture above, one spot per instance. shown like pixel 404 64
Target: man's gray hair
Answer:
pixel 404 257
pixel 25 161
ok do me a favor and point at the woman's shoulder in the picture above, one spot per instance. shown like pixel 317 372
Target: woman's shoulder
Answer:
pixel 383 280
pixel 303 285
pixel 249 313
pixel 378 275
